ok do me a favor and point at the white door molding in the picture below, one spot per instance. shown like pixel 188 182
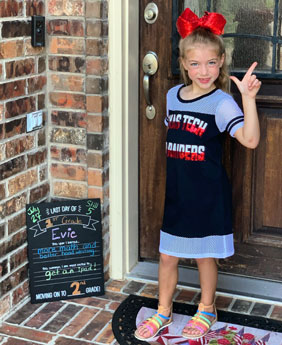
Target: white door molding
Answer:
pixel 123 136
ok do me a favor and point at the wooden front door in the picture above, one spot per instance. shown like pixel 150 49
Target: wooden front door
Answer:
pixel 256 175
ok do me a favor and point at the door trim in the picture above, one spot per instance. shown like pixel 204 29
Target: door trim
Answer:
pixel 123 134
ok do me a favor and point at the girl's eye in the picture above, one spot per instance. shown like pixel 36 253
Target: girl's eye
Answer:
pixel 193 64
pixel 212 63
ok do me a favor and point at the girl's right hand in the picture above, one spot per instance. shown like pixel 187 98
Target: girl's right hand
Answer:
pixel 249 85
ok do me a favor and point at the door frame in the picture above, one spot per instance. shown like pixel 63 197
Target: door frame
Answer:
pixel 123 134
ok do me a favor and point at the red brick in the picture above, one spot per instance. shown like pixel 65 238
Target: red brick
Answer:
pixel 30 50
pixel 2 191
pixel 95 104
pixel 94 28
pixel 9 8
pixel 68 172
pixel 107 336
pixel 70 190
pixel 5 305
pixel 44 314
pixel 43 173
pixel 11 49
pixel 1 112
pixel 68 136
pixel 79 322
pixel 98 192
pixel 16 204
pixel 97 160
pixel 41 137
pixel 15 127
pixel 20 293
pixel 12 89
pixel 36 83
pixel 19 68
pixel 41 101
pixel 66 8
pixel 276 313
pixel 22 181
pixel 67 64
pixel 68 154
pixel 68 341
pixel 96 47
pixel 16 223
pixel 17 146
pixel 12 167
pixel 13 280
pixel 94 9
pixel 21 332
pixel 113 306
pixel 59 45
pixel 3 268
pixel 68 118
pixel 38 193
pixel 92 329
pixel 96 66
pixel 18 258
pixel 97 123
pixel 12 29
pixel 65 27
pixel 95 178
pixel 37 158
pixel 60 99
pixel 35 7
pixel 20 106
pixel 67 82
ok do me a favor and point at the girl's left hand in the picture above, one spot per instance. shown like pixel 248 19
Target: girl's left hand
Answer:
pixel 249 85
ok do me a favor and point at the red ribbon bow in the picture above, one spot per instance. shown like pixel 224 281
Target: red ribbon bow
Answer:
pixel 188 21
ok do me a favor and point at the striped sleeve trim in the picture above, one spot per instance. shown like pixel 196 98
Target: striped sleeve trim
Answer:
pixel 234 122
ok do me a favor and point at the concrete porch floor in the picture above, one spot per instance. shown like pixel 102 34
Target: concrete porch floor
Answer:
pixel 86 321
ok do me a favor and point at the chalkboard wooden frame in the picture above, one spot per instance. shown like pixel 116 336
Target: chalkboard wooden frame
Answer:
pixel 65 250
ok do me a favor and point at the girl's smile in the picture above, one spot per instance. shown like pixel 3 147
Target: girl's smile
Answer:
pixel 203 66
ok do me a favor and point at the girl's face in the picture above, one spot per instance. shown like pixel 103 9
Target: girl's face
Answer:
pixel 203 66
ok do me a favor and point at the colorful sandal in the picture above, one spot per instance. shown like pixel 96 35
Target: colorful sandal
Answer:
pixel 200 322
pixel 154 324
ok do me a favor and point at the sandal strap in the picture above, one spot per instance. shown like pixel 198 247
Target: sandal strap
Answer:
pixel 200 321
pixel 151 330
pixel 206 313
pixel 164 317
pixel 204 318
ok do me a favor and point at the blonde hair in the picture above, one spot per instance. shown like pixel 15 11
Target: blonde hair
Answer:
pixel 204 36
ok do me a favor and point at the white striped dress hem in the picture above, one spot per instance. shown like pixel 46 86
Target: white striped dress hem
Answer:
pixel 216 246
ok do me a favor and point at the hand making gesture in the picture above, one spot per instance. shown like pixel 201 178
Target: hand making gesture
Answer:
pixel 249 85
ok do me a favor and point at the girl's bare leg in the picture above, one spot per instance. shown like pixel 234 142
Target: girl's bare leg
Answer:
pixel 208 280
pixel 168 276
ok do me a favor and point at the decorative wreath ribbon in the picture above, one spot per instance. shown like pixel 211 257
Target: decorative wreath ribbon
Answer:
pixel 188 21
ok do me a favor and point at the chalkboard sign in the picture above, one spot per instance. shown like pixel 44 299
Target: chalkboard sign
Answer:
pixel 65 250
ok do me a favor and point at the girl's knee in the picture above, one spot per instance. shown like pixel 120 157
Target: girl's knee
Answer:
pixel 205 261
pixel 168 259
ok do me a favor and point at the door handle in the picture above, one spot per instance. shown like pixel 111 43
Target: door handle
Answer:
pixel 150 67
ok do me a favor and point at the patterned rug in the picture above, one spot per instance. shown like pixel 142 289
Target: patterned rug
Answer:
pixel 231 329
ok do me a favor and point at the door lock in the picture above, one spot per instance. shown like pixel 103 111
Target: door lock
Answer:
pixel 150 67
pixel 151 13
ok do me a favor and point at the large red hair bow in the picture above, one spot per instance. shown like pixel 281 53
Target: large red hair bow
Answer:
pixel 188 21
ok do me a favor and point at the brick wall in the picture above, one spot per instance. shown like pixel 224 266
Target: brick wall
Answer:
pixel 68 158
pixel 78 103
pixel 23 162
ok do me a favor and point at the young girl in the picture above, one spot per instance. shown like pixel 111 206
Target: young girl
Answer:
pixel 197 215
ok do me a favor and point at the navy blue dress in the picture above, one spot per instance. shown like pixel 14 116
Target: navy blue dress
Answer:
pixel 197 219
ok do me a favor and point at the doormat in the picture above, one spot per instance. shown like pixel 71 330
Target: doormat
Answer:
pixel 232 329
